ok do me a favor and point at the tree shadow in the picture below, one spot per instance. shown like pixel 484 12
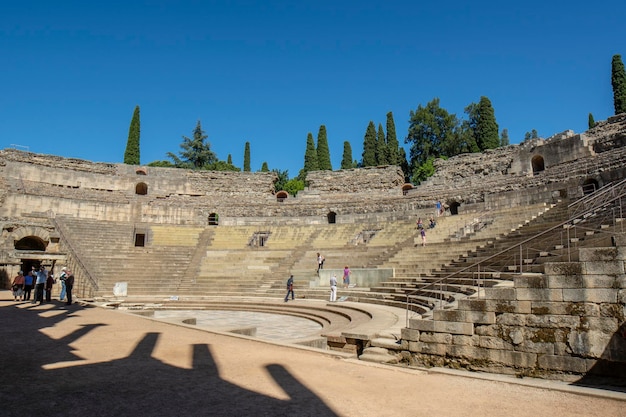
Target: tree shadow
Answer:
pixel 137 385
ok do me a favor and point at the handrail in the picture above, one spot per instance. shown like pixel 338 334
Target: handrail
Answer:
pixel 477 265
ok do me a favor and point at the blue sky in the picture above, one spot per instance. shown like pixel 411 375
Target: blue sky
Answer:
pixel 270 72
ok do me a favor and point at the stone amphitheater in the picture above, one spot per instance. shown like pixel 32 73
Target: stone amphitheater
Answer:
pixel 524 273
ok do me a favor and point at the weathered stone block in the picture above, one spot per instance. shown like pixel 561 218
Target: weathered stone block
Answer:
pixel 433 348
pixel 512 358
pixel 478 317
pixel 553 321
pixel 490 342
pixel 563 268
pixel 608 325
pixel 445 338
pixel 410 334
pixel 539 348
pixel 562 363
pixel 442 326
pixel 569 308
pixel 497 306
pixel 598 254
pixel 508 319
pixel 533 294
pixel 465 340
pixel 488 330
pixel 592 295
pixel 500 294
pixel 531 281
pixel 603 268
pixel 589 344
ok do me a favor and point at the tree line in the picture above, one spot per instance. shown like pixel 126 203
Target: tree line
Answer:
pixel 433 133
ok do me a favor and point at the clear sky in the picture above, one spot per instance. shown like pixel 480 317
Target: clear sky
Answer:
pixel 269 72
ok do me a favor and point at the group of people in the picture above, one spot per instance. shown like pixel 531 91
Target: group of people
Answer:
pixel 333 281
pixel 422 229
pixel 41 281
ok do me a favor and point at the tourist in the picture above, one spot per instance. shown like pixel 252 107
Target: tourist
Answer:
pixel 289 289
pixel 62 278
pixel 40 283
pixel 49 284
pixel 432 223
pixel 346 276
pixel 333 288
pixel 18 286
pixel 29 280
pixel 420 224
pixel 438 208
pixel 69 284
pixel 423 234
pixel 320 262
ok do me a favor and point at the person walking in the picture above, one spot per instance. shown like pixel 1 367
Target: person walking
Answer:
pixel 333 288
pixel 18 286
pixel 423 234
pixel 346 276
pixel 289 289
pixel 49 284
pixel 69 285
pixel 320 262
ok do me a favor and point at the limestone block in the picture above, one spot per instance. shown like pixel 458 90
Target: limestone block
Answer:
pixel 410 334
pixel 490 342
pixel 561 349
pixel 506 357
pixel 608 325
pixel 439 349
pixel 563 268
pixel 445 338
pixel 488 330
pixel 508 319
pixel 537 294
pixel 593 295
pixel 465 340
pixel 590 344
pixel 569 308
pixel 500 294
pixel 478 317
pixel 598 254
pixel 562 363
pixel 517 336
pixel 531 281
pixel 536 347
pixel 497 306
pixel 603 268
pixel 552 321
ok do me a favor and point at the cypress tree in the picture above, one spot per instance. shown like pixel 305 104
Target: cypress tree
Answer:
pixel 346 161
pixel 591 123
pixel 131 154
pixel 229 160
pixel 618 81
pixel 381 147
pixel 310 155
pixel 393 155
pixel 264 167
pixel 246 158
pixel 323 153
pixel 486 127
pixel 504 139
pixel 369 146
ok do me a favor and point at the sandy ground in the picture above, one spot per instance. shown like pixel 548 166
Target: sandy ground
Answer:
pixel 88 361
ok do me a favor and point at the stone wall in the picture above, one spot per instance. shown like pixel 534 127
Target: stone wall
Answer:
pixel 568 321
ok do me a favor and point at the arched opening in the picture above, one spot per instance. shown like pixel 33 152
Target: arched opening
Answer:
pixel 141 171
pixel 281 196
pixel 214 219
pixel 30 243
pixel 332 217
pixel 590 186
pixel 406 188
pixel 141 188
pixel 454 208
pixel 538 164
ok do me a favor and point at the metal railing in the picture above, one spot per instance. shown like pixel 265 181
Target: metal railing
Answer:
pixel 520 257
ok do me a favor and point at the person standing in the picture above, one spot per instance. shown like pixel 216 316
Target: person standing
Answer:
pixel 320 262
pixel 29 280
pixel 40 283
pixel 438 208
pixel 423 234
pixel 62 278
pixel 333 288
pixel 346 276
pixel 18 286
pixel 49 284
pixel 69 285
pixel 289 289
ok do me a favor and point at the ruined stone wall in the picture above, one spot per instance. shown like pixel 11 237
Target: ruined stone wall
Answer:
pixel 568 321
pixel 385 179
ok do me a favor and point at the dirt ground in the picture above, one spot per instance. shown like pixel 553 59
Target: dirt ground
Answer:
pixel 87 361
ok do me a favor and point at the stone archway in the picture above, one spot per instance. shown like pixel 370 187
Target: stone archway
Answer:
pixel 537 164
pixel 454 208
pixel 406 187
pixel 590 185
pixel 332 217
pixel 141 188
pixel 281 196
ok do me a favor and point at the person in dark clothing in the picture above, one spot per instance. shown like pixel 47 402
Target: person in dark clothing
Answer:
pixel 69 284
pixel 289 289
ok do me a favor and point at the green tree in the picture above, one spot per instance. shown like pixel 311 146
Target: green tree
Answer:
pixel 196 154
pixel 131 154
pixel 393 152
pixel 431 131
pixel 504 138
pixel 346 161
pixel 229 159
pixel 323 153
pixel 264 167
pixel 293 186
pixel 591 123
pixel 246 157
pixel 618 81
pixel 486 127
pixel 381 147
pixel 310 158
pixel 221 166
pixel 281 179
pixel 369 146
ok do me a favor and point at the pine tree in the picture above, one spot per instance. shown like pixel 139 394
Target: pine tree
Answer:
pixel 504 139
pixel 246 157
pixel 618 81
pixel 196 154
pixel 590 122
pixel 381 147
pixel 131 155
pixel 310 156
pixel 393 153
pixel 486 127
pixel 346 161
pixel 369 146
pixel 323 153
